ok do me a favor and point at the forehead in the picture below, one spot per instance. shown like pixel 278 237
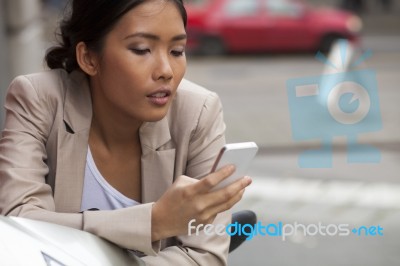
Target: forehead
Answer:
pixel 162 15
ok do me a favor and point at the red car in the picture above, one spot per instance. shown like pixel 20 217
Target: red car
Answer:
pixel 220 26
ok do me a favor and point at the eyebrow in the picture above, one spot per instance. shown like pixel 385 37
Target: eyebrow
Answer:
pixel 155 37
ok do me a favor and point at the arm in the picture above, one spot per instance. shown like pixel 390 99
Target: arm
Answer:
pixel 30 117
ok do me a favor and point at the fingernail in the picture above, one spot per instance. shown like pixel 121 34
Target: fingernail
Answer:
pixel 248 180
pixel 231 167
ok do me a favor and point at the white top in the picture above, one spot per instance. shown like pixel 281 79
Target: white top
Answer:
pixel 98 193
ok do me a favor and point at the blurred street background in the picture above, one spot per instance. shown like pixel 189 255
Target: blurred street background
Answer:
pixel 253 92
pixel 252 88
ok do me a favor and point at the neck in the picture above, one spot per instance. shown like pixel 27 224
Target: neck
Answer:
pixel 114 134
pixel 112 129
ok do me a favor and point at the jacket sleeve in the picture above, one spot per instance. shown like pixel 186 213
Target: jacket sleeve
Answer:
pixel 207 139
pixel 23 171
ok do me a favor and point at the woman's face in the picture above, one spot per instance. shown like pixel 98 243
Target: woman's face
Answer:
pixel 141 64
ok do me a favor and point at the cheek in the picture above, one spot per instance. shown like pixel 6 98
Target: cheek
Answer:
pixel 180 69
pixel 119 84
pixel 122 73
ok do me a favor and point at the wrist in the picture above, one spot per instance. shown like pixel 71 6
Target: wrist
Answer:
pixel 156 224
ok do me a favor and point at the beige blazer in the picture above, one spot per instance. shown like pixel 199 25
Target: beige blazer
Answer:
pixel 43 155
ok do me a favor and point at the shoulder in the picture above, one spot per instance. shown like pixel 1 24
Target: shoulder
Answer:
pixel 52 88
pixel 193 98
pixel 193 92
pixel 40 97
pixel 46 84
pixel 193 106
pixel 40 79
pixel 32 103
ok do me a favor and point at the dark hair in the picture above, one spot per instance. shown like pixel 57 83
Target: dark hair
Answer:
pixel 89 22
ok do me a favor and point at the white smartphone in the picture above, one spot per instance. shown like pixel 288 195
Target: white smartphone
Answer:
pixel 238 154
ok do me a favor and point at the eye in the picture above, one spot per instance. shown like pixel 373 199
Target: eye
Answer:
pixel 177 53
pixel 140 51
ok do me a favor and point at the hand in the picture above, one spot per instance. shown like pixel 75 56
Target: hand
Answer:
pixel 189 198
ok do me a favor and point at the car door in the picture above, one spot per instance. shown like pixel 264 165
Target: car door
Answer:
pixel 287 28
pixel 242 25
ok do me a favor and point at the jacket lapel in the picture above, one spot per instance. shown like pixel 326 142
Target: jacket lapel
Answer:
pixel 71 162
pixel 73 144
pixel 158 159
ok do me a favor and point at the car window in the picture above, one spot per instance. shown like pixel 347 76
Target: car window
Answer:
pixel 283 8
pixel 237 8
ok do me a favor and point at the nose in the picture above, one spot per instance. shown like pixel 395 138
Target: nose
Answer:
pixel 163 68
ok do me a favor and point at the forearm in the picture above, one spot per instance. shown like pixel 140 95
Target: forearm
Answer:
pixel 129 227
pixel 201 249
pixel 73 220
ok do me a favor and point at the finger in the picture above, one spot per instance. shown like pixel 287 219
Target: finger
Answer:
pixel 207 215
pixel 237 185
pixel 213 179
pixel 185 180
pixel 222 195
pixel 228 204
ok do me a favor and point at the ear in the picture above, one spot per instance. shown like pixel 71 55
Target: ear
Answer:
pixel 86 59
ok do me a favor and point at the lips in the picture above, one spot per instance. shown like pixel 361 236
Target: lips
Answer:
pixel 159 97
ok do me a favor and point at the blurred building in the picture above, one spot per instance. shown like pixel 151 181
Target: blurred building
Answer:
pixel 4 71
pixel 21 41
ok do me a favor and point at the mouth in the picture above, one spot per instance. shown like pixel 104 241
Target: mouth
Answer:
pixel 160 97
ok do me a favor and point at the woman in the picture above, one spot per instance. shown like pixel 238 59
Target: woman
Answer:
pixel 113 127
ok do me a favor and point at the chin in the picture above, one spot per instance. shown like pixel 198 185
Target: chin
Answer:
pixel 155 117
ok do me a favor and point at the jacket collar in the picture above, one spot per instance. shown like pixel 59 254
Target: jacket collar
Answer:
pixel 153 135
pixel 78 102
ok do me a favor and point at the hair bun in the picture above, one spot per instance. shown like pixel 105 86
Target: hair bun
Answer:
pixel 60 57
